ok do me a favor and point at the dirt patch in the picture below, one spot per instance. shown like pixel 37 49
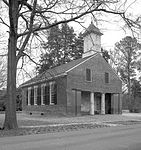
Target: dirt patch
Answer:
pixel 129 122
pixel 49 129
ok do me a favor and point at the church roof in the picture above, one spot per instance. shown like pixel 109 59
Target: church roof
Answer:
pixel 55 72
pixel 92 29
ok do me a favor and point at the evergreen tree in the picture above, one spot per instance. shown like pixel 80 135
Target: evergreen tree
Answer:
pixel 53 50
pixel 68 40
pixel 128 49
pixel 62 46
pixel 78 47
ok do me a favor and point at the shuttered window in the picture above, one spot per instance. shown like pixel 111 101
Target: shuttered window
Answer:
pixel 32 96
pixel 106 77
pixel 26 96
pixel 53 97
pixel 88 75
pixel 29 95
pixel 46 97
pixel 35 94
pixel 39 95
pixel 44 94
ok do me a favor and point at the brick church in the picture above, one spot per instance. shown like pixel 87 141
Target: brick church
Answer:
pixel 84 86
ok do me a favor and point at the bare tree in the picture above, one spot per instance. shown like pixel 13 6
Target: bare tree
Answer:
pixel 128 53
pixel 29 18
pixel 3 56
pixel 2 74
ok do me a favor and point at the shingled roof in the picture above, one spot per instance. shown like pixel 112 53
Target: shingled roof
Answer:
pixel 56 71
pixel 92 29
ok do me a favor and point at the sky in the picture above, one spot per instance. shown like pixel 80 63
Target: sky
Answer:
pixel 111 27
pixel 114 30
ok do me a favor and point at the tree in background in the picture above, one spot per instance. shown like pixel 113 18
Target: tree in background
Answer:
pixel 2 74
pixel 68 40
pixel 27 19
pixel 62 46
pixel 78 47
pixel 136 96
pixel 3 58
pixel 52 49
pixel 127 50
pixel 105 54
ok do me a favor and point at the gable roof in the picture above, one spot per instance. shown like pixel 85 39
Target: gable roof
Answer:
pixel 61 70
pixel 92 29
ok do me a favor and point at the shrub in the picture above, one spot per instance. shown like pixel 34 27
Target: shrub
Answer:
pixel 2 106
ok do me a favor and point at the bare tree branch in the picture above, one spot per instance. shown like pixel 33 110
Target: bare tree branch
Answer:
pixel 3 22
pixel 2 55
pixel 29 33
pixel 71 19
pixel 24 2
pixel 31 59
pixel 6 2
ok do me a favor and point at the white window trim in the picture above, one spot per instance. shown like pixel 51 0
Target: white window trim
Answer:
pixel 35 94
pixel 50 97
pixel 42 91
pixel 29 96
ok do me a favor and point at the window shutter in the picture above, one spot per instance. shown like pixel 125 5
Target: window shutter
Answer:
pixel 39 95
pixel 47 96
pixel 26 96
pixel 55 94
pixel 32 96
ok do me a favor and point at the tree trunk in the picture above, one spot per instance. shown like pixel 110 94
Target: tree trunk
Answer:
pixel 10 114
pixel 129 89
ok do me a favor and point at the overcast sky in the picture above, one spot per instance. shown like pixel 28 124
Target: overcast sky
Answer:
pixel 111 27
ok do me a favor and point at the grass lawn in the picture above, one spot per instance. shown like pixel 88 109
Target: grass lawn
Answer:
pixel 36 124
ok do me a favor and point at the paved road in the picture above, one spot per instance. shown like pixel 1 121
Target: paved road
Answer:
pixel 111 138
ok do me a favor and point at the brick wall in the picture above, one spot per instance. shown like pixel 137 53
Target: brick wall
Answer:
pixel 60 108
pixel 69 87
pixel 76 80
pixel 47 109
pixel 76 77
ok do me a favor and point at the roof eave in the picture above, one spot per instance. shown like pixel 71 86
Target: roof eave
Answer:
pixel 43 80
pixel 89 32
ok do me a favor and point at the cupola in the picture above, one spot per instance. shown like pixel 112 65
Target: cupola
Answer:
pixel 92 40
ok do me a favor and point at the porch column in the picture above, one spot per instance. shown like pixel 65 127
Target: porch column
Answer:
pixel 92 103
pixel 120 104
pixel 103 104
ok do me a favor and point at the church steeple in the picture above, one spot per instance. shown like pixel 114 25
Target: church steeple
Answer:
pixel 92 40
